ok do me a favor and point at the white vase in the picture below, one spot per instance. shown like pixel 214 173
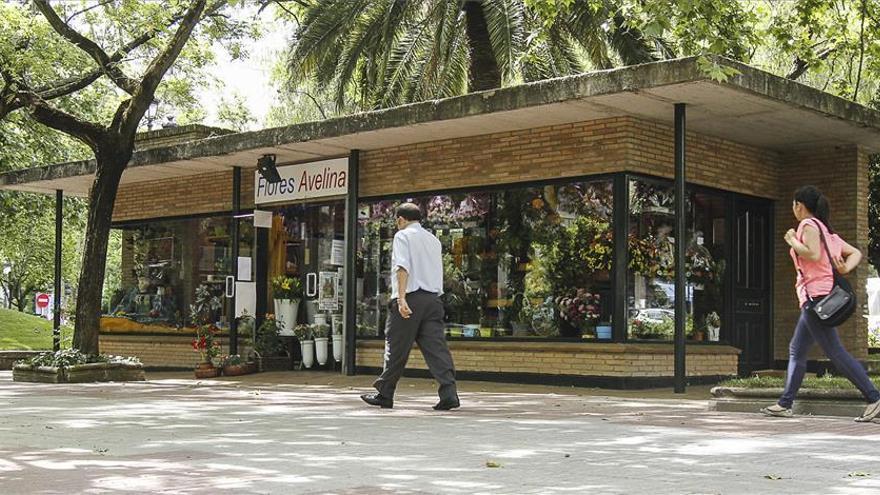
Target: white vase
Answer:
pixel 321 350
pixel 286 312
pixel 308 352
pixel 336 324
pixel 714 333
pixel 337 347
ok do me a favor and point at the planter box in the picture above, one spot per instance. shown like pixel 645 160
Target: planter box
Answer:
pixel 8 358
pixel 239 369
pixel 832 402
pixel 85 373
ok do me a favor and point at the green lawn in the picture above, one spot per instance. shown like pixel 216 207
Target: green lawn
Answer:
pixel 826 382
pixel 19 331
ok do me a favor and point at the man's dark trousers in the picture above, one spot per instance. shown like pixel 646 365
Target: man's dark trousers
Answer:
pixel 424 326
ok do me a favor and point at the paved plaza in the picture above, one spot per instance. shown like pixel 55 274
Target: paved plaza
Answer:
pixel 309 433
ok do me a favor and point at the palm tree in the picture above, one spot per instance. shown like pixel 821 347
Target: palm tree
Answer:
pixel 389 52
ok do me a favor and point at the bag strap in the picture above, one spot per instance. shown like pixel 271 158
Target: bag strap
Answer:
pixel 824 243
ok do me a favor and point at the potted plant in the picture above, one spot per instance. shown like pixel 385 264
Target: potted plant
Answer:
pixel 307 345
pixel 337 337
pixel 713 325
pixel 287 292
pixel 234 365
pixel 206 342
pixel 321 332
pixel 268 346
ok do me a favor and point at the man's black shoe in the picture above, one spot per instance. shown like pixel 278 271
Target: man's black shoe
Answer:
pixel 378 400
pixel 447 404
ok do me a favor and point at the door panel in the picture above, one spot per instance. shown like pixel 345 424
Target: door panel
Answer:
pixel 752 248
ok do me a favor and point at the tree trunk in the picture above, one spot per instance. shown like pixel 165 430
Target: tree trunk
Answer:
pixel 111 162
pixel 484 73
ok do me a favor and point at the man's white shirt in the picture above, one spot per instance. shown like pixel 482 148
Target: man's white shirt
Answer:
pixel 419 253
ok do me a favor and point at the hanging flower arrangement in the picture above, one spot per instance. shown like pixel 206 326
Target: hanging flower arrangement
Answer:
pixel 441 210
pixel 472 207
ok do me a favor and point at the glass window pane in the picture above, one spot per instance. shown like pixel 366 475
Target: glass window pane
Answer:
pixel 523 262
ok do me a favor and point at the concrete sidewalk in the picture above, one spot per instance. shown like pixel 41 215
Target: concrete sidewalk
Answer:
pixel 308 433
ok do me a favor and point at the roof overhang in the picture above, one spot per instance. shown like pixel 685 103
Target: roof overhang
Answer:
pixel 753 107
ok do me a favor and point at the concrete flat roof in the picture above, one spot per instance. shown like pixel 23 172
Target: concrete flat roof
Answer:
pixel 754 108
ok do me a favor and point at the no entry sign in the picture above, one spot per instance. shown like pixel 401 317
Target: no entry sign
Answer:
pixel 42 300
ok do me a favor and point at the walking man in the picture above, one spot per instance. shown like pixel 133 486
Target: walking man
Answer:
pixel 415 312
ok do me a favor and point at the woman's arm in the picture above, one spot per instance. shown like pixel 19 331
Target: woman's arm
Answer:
pixel 809 249
pixel 849 258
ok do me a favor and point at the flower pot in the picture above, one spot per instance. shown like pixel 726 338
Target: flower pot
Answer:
pixel 337 347
pixel 320 319
pixel 603 332
pixel 237 369
pixel 714 333
pixel 308 352
pixel 206 370
pixel 485 332
pixel 321 350
pixel 337 324
pixel 286 311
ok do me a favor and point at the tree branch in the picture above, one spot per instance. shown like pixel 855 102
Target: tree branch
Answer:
pixel 83 11
pixel 126 120
pixel 800 66
pixel 43 113
pixel 90 47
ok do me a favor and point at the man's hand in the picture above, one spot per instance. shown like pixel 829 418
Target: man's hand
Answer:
pixel 403 307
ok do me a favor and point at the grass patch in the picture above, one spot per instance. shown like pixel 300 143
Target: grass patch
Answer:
pixel 23 332
pixel 827 382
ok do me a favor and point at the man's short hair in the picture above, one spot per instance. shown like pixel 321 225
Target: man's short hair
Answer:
pixel 410 212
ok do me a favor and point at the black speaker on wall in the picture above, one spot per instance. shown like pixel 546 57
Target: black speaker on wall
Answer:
pixel 267 168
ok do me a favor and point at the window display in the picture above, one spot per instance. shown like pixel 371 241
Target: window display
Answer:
pixel 523 262
pixel 165 263
pixel 651 273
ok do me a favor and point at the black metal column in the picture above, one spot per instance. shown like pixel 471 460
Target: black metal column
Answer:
pixel 236 210
pixel 621 257
pixel 680 244
pixel 56 312
pixel 351 218
pixel 261 273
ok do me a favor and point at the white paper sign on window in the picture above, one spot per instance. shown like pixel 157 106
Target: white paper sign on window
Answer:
pixel 304 181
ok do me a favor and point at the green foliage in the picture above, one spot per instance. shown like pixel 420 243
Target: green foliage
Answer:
pixel 874 211
pixel 67 358
pixel 268 341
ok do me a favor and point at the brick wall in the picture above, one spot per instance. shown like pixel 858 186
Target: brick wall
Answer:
pixel 607 360
pixel 166 351
pixel 594 147
pixel 842 174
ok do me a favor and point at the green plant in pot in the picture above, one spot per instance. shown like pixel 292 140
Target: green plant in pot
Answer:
pixel 288 293
pixel 305 334
pixel 206 343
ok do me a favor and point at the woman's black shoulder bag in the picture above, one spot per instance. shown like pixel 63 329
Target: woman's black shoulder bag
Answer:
pixel 835 308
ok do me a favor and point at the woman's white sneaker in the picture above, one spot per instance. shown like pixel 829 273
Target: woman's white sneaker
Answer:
pixel 870 413
pixel 777 411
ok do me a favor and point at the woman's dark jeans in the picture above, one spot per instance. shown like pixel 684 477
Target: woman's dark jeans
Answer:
pixel 808 331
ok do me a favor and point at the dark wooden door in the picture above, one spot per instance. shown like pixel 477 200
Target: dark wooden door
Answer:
pixel 751 271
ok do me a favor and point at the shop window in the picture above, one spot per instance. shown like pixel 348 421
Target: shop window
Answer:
pixel 525 262
pixel 651 244
pixel 162 264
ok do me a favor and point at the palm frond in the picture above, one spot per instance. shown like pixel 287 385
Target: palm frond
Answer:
pixel 504 19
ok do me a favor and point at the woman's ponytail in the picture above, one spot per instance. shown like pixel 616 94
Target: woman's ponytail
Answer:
pixel 816 203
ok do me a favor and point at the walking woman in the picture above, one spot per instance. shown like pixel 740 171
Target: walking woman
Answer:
pixel 815 279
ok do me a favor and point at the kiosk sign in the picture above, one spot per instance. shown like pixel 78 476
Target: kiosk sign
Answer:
pixel 304 181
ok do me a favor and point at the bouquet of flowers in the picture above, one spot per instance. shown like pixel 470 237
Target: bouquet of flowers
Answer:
pixel 579 307
pixel 286 288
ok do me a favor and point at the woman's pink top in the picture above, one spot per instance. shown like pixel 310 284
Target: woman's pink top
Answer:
pixel 816 276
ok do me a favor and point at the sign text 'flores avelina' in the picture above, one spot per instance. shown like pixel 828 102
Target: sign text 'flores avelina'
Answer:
pixel 304 181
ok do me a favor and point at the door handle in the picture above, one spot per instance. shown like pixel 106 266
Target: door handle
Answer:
pixel 230 286
pixel 311 284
